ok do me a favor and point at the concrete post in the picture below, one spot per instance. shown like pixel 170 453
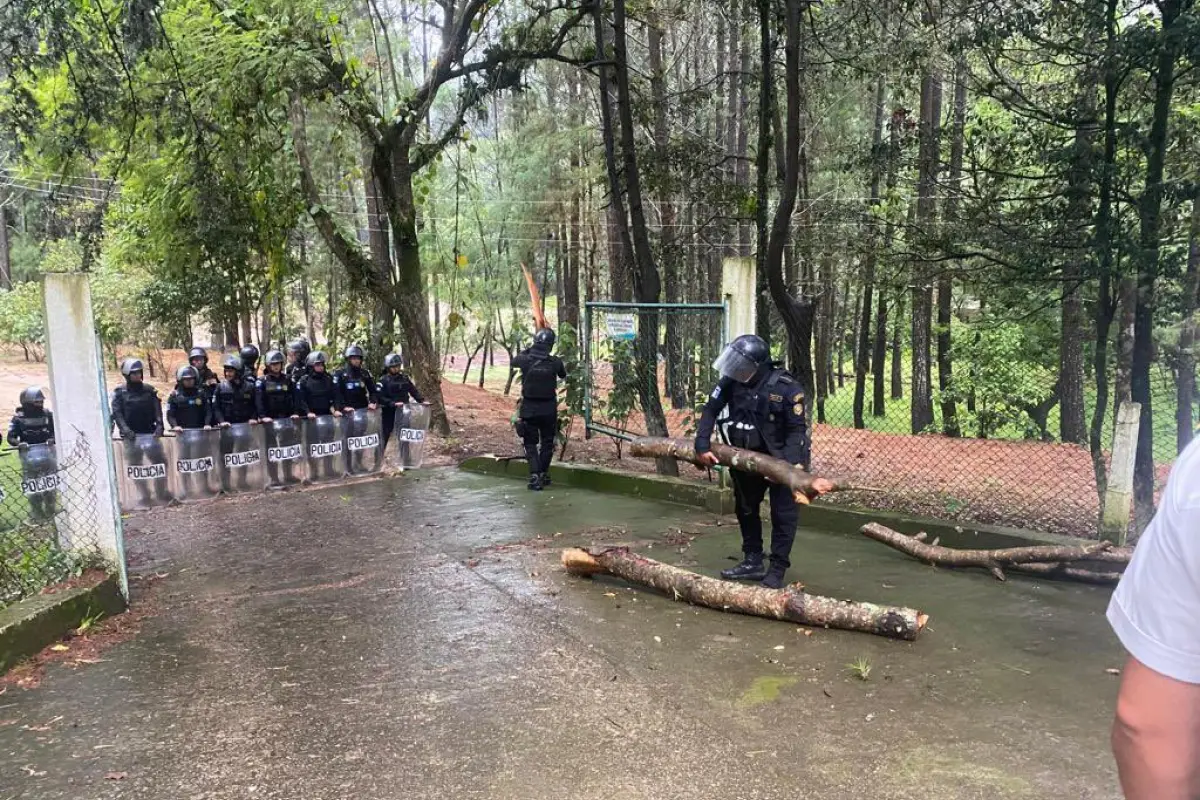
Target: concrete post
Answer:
pixel 1118 499
pixel 738 286
pixel 80 400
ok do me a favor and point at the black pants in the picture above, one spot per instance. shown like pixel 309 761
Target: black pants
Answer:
pixel 388 421
pixel 748 492
pixel 539 441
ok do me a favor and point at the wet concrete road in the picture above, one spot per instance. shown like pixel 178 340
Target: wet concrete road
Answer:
pixel 358 642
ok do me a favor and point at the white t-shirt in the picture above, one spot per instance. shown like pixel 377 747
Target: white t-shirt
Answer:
pixel 1155 610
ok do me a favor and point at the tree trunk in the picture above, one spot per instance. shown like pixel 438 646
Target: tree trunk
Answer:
pixel 898 347
pixel 790 604
pixel 922 290
pixel 1185 362
pixel 1072 427
pixel 945 287
pixel 635 237
pixel 5 247
pixel 879 356
pixel 1150 213
pixel 862 363
pixel 383 337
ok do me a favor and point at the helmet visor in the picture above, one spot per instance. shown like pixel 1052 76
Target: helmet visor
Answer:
pixel 735 366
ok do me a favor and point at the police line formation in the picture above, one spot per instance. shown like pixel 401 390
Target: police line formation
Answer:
pixel 297 422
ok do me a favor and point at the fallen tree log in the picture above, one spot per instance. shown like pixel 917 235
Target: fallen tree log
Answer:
pixel 1068 572
pixel 804 485
pixel 790 603
pixel 1046 560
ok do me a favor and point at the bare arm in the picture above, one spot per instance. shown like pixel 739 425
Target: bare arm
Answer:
pixel 1156 735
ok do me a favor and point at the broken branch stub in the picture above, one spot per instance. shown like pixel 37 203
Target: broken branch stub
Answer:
pixel 790 603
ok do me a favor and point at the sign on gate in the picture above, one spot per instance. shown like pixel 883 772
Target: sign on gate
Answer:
pixel 621 327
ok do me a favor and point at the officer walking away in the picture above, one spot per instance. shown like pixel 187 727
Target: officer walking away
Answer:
pixel 137 411
pixel 32 424
pixel 395 390
pixel 275 394
pixel 353 384
pixel 766 414
pixel 315 389
pixel 189 406
pixel 298 351
pixel 198 358
pixel 249 356
pixel 538 417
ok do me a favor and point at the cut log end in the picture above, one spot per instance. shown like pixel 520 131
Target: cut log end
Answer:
pixel 578 561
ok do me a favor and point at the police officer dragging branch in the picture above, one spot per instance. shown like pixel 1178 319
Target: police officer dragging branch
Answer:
pixel 189 405
pixel 395 389
pixel 537 421
pixel 766 414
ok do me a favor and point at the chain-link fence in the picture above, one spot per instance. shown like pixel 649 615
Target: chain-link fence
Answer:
pixel 621 340
pixel 40 496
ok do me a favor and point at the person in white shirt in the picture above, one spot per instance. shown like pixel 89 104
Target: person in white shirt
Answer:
pixel 1155 612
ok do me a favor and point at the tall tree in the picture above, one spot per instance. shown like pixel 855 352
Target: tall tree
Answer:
pixel 922 291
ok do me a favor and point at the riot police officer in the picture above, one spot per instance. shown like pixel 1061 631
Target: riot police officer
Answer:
pixel 189 405
pixel 275 394
pixel 298 351
pixel 766 414
pixel 316 389
pixel 249 356
pixel 135 406
pixel 233 401
pixel 137 412
pixel 198 358
pixel 538 417
pixel 354 387
pixel 395 389
pixel 32 424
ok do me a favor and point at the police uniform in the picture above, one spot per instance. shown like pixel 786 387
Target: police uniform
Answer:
pixel 233 401
pixel 136 409
pixel 34 425
pixel 393 389
pixel 316 393
pixel 354 387
pixel 275 396
pixel 189 408
pixel 766 416
pixel 31 426
pixel 540 373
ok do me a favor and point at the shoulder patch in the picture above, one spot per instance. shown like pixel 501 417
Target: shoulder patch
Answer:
pixel 776 398
pixel 716 393
pixel 798 397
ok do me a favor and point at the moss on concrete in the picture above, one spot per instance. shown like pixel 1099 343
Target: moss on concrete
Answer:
pixel 32 624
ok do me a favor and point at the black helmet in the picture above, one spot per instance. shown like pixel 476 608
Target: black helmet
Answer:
pixel 183 373
pixel 300 346
pixel 392 360
pixel 544 337
pixel 742 358
pixel 314 358
pixel 274 357
pixel 32 396
pixel 197 352
pixel 131 365
pixel 232 362
pixel 353 351
pixel 249 355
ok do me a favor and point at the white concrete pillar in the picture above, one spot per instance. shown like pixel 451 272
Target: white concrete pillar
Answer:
pixel 738 285
pixel 1118 499
pixel 80 401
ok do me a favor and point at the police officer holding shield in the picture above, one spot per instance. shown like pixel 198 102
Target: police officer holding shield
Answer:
pixel 275 394
pixel 34 425
pixel 136 410
pixel 233 401
pixel 189 406
pixel 354 386
pixel 316 390
pixel 538 417
pixel 395 390
pixel 766 414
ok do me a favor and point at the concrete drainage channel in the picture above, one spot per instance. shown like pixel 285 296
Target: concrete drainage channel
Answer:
pixel 719 500
pixel 28 626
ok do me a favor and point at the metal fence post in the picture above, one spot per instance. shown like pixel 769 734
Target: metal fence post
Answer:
pixel 1118 498
pixel 738 289
pixel 80 400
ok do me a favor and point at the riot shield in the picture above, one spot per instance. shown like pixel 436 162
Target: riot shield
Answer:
pixel 243 462
pixel 412 423
pixel 364 451
pixel 40 480
pixel 143 470
pixel 197 456
pixel 324 447
pixel 286 465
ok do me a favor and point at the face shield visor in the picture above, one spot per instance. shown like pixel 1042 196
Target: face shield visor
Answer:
pixel 734 365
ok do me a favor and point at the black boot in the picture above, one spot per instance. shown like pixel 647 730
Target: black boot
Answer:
pixel 751 569
pixel 546 480
pixel 774 577
pixel 535 483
